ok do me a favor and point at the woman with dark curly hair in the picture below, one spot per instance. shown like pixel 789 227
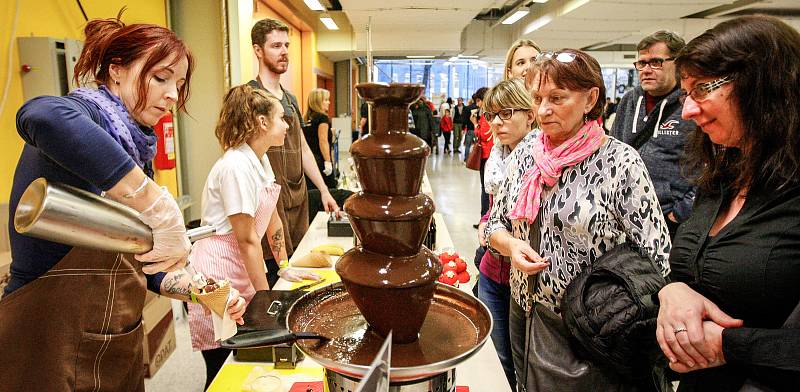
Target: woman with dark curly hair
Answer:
pixel 730 319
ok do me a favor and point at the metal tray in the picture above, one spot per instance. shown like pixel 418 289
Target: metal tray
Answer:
pixel 456 327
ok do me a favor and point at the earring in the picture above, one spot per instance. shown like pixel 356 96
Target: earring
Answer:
pixel 586 117
pixel 116 82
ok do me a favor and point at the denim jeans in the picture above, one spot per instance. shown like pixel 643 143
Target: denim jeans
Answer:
pixel 497 298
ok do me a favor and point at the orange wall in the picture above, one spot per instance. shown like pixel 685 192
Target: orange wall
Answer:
pixel 60 19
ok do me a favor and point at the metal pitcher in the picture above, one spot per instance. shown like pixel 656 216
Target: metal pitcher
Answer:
pixel 72 216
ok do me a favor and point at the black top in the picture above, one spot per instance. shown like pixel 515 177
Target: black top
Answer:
pixel 365 114
pixel 64 143
pixel 751 270
pixel 311 132
pixel 467 115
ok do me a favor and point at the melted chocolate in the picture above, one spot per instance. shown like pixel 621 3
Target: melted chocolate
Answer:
pixel 393 293
pixel 393 225
pixel 451 328
pixel 390 164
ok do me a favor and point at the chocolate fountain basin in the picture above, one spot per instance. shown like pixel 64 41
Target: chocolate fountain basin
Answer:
pixel 456 327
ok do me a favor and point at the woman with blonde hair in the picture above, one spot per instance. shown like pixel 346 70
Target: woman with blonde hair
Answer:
pixel 519 58
pixel 319 136
pixel 239 200
pixel 493 284
pixel 508 109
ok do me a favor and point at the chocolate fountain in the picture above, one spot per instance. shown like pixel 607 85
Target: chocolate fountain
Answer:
pixel 390 276
pixel 389 279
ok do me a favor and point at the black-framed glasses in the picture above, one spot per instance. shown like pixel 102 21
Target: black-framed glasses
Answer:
pixel 700 91
pixel 504 114
pixel 562 57
pixel 654 63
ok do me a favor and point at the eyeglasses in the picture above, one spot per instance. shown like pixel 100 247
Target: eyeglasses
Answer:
pixel 654 63
pixel 504 114
pixel 700 91
pixel 562 57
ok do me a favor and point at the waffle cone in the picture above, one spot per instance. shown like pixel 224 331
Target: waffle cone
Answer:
pixel 216 300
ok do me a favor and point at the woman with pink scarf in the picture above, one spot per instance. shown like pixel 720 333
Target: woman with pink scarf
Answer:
pixel 570 195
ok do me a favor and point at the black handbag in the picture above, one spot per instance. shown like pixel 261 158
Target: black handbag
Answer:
pixel 550 363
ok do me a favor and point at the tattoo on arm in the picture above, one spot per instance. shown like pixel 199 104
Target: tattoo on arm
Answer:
pixel 277 243
pixel 173 284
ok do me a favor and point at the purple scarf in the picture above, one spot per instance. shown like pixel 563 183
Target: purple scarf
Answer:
pixel 120 125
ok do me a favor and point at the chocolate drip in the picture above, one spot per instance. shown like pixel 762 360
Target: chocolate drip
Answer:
pixel 390 277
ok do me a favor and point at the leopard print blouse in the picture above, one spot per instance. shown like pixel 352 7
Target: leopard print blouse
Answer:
pixel 597 204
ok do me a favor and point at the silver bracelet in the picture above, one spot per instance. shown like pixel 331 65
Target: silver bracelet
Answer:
pixel 138 190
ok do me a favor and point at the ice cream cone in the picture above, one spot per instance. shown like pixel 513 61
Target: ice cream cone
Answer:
pixel 216 300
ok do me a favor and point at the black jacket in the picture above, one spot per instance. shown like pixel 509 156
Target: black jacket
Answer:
pixel 610 313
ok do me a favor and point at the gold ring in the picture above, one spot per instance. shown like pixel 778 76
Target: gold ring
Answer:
pixel 681 329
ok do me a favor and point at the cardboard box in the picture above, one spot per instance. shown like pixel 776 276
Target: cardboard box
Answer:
pixel 159 334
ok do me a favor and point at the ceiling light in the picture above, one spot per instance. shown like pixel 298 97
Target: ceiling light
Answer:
pixel 328 22
pixel 539 1
pixel 464 56
pixel 515 16
pixel 314 5
pixel 420 57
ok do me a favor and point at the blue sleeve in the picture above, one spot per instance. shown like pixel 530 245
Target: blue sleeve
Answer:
pixel 64 130
pixel 154 281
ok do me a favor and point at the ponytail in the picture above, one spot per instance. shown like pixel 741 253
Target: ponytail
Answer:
pixel 99 34
pixel 238 117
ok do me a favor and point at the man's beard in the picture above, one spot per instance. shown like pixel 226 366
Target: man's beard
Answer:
pixel 276 67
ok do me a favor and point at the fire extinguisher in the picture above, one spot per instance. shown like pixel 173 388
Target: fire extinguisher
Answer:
pixel 165 146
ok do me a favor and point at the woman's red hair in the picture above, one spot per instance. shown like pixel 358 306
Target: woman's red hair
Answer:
pixel 109 41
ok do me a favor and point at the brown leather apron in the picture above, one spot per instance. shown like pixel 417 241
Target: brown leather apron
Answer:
pixel 287 164
pixel 78 327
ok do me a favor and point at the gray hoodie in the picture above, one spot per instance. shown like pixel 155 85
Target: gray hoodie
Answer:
pixel 663 152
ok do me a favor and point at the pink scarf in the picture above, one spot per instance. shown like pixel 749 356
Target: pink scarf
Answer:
pixel 549 163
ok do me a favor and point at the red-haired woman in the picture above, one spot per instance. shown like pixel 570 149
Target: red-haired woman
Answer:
pixel 74 314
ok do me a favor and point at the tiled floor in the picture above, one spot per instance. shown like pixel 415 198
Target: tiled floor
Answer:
pixel 457 196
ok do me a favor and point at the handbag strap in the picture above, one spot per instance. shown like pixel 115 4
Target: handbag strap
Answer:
pixel 534 239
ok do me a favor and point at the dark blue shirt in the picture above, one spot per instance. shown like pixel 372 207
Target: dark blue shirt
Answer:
pixel 65 143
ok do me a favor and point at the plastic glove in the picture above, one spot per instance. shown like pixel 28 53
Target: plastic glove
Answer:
pixel 296 275
pixel 328 168
pixel 170 244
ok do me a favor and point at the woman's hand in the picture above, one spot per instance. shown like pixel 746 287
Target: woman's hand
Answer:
pixel 296 275
pixel 713 335
pixel 170 244
pixel 481 236
pixel 680 331
pixel 236 306
pixel 525 259
pixel 329 203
